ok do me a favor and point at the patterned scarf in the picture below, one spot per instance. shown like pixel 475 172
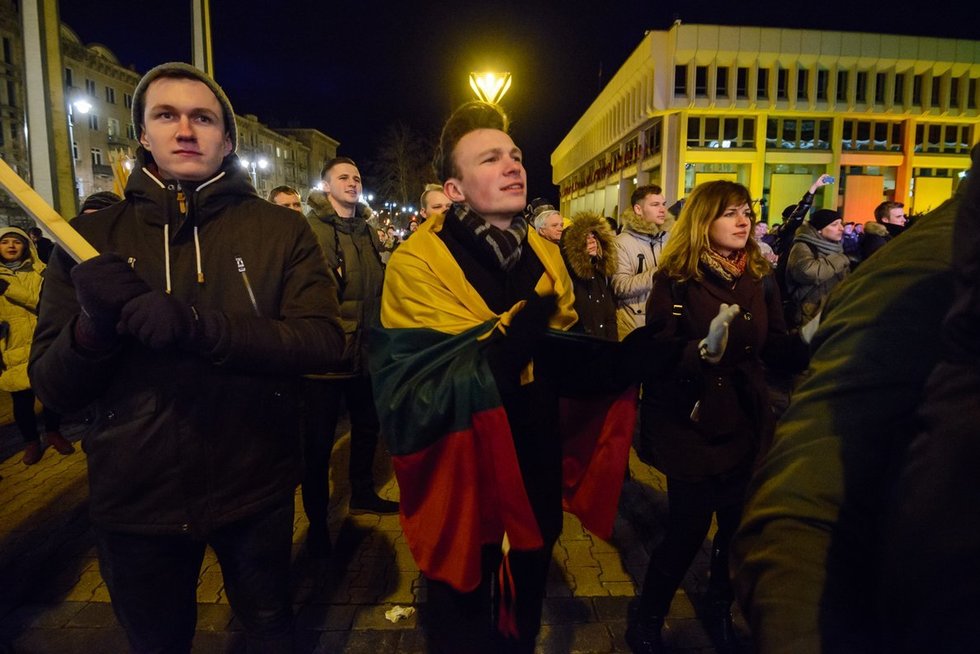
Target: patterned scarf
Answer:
pixel 504 245
pixel 728 268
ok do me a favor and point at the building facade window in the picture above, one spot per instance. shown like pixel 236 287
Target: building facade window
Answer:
pixel 861 87
pixel 823 78
pixel 8 54
pixel 720 132
pixel 842 80
pixel 701 81
pixel 954 93
pixel 69 77
pixel 110 95
pixel 721 82
pixel 128 100
pixel 797 134
pixel 802 81
pixel 74 150
pixel 112 127
pixel 880 80
pixel 742 83
pixel 917 90
pixel 93 122
pixel 96 156
pixel 947 139
pixel 935 91
pixel 131 131
pixel 971 96
pixel 680 80
pixel 782 83
pixel 762 84
pixel 899 96
pixel 90 87
pixel 653 139
pixel 872 135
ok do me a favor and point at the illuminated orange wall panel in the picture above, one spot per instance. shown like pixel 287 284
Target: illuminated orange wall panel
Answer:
pixel 862 194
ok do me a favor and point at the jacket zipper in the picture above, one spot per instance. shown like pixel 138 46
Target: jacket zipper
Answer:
pixel 248 287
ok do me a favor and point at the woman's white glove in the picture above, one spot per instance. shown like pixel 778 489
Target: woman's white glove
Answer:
pixel 712 347
pixel 808 330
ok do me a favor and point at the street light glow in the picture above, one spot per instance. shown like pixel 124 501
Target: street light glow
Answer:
pixel 82 105
pixel 490 87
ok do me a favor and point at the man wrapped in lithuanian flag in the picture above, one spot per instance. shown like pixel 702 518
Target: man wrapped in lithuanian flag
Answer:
pixel 468 374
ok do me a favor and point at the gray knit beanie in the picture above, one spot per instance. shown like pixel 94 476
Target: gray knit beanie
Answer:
pixel 181 70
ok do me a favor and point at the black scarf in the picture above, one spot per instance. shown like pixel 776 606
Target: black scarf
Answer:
pixel 503 245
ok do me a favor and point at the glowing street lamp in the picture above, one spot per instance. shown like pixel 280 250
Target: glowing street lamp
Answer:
pixel 490 87
pixel 251 164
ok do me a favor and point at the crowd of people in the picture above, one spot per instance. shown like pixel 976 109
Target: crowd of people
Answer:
pixel 508 358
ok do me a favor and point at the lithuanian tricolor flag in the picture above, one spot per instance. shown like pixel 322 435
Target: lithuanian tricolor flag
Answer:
pixel 442 419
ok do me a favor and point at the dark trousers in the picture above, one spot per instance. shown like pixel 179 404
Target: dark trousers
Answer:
pixel 691 506
pixel 25 418
pixel 152 581
pixel 457 622
pixel 322 411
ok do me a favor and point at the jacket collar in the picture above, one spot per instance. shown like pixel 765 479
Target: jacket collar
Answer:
pixel 146 185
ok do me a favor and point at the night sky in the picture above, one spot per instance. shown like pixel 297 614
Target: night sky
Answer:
pixel 351 69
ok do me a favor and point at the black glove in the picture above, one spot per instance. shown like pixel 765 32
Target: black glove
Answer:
pixel 508 355
pixel 159 321
pixel 532 321
pixel 4 285
pixel 103 285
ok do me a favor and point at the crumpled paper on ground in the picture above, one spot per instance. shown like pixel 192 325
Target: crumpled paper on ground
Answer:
pixel 399 612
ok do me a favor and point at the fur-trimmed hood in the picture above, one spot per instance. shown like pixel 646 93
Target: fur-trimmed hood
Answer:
pixel 320 204
pixel 877 229
pixel 573 240
pixel 636 224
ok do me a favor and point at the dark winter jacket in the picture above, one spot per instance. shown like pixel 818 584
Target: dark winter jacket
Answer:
pixel 594 301
pixel 182 441
pixel 732 419
pixel 353 253
pixel 816 265
pixel 807 558
pixel 876 236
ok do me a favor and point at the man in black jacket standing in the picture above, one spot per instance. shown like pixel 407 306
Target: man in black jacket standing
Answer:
pixel 186 339
pixel 352 250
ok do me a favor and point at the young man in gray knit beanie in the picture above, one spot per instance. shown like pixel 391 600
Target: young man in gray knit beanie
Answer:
pixel 190 332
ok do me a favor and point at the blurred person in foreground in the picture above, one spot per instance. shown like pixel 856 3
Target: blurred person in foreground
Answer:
pixel 816 561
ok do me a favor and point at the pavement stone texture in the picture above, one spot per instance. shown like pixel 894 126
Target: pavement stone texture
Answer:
pixel 53 599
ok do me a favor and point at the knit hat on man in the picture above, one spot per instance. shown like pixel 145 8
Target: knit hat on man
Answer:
pixel 181 70
pixel 100 200
pixel 823 217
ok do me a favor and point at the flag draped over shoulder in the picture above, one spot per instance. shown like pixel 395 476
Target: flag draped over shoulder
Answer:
pixel 444 424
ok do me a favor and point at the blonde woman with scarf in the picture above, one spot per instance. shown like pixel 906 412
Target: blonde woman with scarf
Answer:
pixel 706 421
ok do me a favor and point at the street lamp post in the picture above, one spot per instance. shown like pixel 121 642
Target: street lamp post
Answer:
pixel 251 165
pixel 490 87
pixel 82 106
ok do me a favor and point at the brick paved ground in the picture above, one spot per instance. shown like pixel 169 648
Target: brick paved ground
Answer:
pixel 53 600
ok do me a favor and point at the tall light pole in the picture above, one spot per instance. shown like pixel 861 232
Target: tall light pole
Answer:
pixel 80 105
pixel 490 87
pixel 251 165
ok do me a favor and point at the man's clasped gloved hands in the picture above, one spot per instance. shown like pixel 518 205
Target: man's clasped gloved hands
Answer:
pixel 115 301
